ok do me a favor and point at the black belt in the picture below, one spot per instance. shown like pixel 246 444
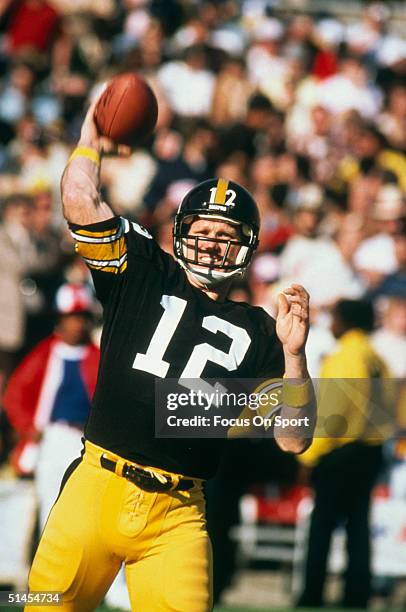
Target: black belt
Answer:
pixel 144 479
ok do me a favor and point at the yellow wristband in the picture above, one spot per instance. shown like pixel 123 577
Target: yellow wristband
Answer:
pixel 297 396
pixel 87 152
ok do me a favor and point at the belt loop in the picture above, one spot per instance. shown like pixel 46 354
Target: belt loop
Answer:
pixel 175 481
pixel 119 467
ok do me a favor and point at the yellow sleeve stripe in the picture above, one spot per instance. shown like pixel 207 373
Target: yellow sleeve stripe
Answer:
pixel 93 234
pixel 97 240
pixel 108 257
pixel 103 252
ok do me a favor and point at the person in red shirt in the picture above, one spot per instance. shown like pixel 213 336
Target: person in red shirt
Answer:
pixel 48 396
pixel 33 25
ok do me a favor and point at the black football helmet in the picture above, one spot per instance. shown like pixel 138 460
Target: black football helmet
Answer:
pixel 226 201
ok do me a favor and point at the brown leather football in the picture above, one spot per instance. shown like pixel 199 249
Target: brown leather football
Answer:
pixel 127 110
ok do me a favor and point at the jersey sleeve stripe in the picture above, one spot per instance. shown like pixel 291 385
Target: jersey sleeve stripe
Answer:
pixel 104 252
pixel 106 256
pixel 102 263
pixel 83 232
pixel 98 239
pixel 109 269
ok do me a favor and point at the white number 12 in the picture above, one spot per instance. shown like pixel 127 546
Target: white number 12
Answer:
pixel 174 307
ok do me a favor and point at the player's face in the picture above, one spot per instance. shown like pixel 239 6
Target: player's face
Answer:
pixel 74 328
pixel 220 243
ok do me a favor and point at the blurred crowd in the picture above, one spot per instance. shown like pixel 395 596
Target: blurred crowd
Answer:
pixel 307 110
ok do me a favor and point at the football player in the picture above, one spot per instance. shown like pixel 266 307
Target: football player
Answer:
pixel 132 497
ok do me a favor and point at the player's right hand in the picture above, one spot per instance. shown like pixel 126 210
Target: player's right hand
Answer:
pixel 90 137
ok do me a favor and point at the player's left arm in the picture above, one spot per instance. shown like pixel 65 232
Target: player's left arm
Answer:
pixel 294 428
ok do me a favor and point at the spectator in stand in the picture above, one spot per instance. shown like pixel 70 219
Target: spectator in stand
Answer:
pixel 189 84
pixel 250 136
pixel 390 58
pixel 16 255
pixel 376 256
pixel 235 167
pixel 299 39
pixel 16 96
pixel 307 213
pixel 315 141
pixel 317 260
pixel 32 27
pixel 48 396
pixel 327 37
pixel 395 284
pixel 362 193
pixel 364 37
pixel 268 69
pixel 227 109
pixel 349 89
pixel 45 274
pixel 344 283
pixel 265 271
pixel 392 120
pixel 367 149
pixel 187 162
pixel 345 468
pixel 389 340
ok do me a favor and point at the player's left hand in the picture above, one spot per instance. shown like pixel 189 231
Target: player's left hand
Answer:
pixel 292 321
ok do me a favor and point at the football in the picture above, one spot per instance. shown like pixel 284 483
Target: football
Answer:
pixel 127 110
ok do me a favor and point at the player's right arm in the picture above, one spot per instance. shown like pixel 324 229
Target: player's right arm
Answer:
pixel 80 183
pixel 98 233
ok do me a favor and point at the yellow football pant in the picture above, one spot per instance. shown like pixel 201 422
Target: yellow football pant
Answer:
pixel 101 519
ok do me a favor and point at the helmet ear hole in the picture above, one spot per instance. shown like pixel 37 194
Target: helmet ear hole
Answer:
pixel 246 230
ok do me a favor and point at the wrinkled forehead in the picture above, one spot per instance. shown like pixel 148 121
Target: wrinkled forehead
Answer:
pixel 205 223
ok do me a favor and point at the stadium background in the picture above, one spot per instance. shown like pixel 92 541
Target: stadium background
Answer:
pixel 302 102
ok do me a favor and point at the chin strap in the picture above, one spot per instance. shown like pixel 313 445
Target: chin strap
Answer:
pixel 210 278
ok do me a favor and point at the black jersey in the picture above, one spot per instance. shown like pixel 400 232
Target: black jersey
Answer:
pixel 156 324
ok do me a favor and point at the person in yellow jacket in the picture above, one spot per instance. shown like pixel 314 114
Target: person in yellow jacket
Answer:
pixel 346 453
